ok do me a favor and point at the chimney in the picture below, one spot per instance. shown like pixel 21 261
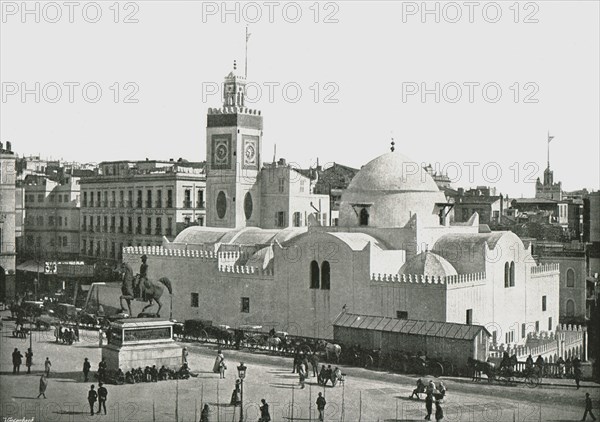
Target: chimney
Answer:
pixel 8 146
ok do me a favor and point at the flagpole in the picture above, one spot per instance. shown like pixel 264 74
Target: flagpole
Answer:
pixel 246 60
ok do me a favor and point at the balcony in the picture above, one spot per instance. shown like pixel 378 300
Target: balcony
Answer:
pixel 129 230
pixel 187 204
pixel 148 204
pixel 158 231
pixel 169 204
pixel 138 230
pixel 201 205
pixel 138 204
pixel 168 232
pixel 158 204
pixel 148 230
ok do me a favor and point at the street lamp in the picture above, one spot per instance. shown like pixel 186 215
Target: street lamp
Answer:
pixel 241 374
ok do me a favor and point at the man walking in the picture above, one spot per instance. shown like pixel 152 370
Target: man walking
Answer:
pixel 17 359
pixel 321 406
pixel 47 365
pixel 102 395
pixel 264 412
pixel 29 360
pixel 92 396
pixel 86 369
pixel 588 407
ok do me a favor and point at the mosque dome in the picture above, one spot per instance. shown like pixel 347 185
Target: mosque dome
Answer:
pixel 428 263
pixel 388 192
pixel 393 172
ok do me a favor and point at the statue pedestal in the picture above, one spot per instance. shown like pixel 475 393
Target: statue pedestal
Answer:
pixel 141 342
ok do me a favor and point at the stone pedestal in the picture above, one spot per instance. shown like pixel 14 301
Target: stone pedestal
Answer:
pixel 141 342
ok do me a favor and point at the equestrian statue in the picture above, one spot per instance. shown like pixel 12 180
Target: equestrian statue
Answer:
pixel 140 286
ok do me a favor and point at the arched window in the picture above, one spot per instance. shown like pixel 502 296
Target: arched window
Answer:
pixel 325 276
pixel 364 217
pixel 570 308
pixel 570 278
pixel 314 275
pixel 506 275
pixel 512 274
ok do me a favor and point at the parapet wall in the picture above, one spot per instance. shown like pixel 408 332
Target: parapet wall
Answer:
pixel 429 279
pixel 234 110
pixel 544 269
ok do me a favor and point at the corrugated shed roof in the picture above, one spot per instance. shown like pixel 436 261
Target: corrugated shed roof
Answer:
pixel 407 326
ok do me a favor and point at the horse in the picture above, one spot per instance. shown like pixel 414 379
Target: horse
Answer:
pixel 478 367
pixel 331 349
pixel 151 290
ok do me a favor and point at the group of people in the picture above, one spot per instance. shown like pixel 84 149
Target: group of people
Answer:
pixel 328 374
pixel 100 395
pixel 433 395
pixel 66 335
pixel 570 367
pixel 17 360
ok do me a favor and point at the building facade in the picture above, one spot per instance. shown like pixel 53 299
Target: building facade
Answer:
pixel 51 218
pixel 139 204
pixel 394 254
pixel 7 222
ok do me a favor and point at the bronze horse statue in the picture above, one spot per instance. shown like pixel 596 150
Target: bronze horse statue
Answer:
pixel 149 289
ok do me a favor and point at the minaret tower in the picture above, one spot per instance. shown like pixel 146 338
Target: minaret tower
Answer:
pixel 233 152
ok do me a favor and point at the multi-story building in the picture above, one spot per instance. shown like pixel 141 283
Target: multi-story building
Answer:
pixel 7 222
pixel 481 200
pixel 51 218
pixel 132 203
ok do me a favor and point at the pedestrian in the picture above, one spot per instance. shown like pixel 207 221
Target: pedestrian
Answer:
pixel 588 408
pixel 29 360
pixel 102 369
pixel 184 355
pixel 302 374
pixel 264 412
pixel 429 405
pixel 439 412
pixel 43 385
pixel 204 414
pixel 17 359
pixel 561 366
pixel 577 371
pixel 235 395
pixel 100 337
pixel 47 365
pixel 314 362
pixel 76 332
pixel 296 361
pixel 102 395
pixel 92 396
pixel 86 369
pixel 321 406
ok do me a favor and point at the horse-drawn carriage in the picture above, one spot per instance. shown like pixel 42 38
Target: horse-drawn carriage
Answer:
pixel 507 372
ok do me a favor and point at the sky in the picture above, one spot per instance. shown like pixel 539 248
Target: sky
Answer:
pixel 472 88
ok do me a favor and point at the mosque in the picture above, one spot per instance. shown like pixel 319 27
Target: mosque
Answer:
pixel 268 256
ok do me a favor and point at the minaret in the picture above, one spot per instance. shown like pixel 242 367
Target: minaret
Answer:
pixel 233 153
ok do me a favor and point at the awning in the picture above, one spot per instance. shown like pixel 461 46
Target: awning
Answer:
pixel 31 266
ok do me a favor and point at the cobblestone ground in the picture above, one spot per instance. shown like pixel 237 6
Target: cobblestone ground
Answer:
pixel 366 395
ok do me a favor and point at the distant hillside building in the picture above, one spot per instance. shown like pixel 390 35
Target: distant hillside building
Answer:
pixel 481 200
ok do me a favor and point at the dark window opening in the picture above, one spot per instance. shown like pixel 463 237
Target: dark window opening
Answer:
pixel 325 276
pixel 469 316
pixel 195 300
pixel 314 275
pixel 246 305
pixel 401 314
pixel 364 217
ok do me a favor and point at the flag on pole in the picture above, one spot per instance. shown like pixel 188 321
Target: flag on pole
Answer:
pixel 247 34
pixel 550 138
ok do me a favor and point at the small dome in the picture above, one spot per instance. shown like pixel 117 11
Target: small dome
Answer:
pixel 393 172
pixel 428 263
